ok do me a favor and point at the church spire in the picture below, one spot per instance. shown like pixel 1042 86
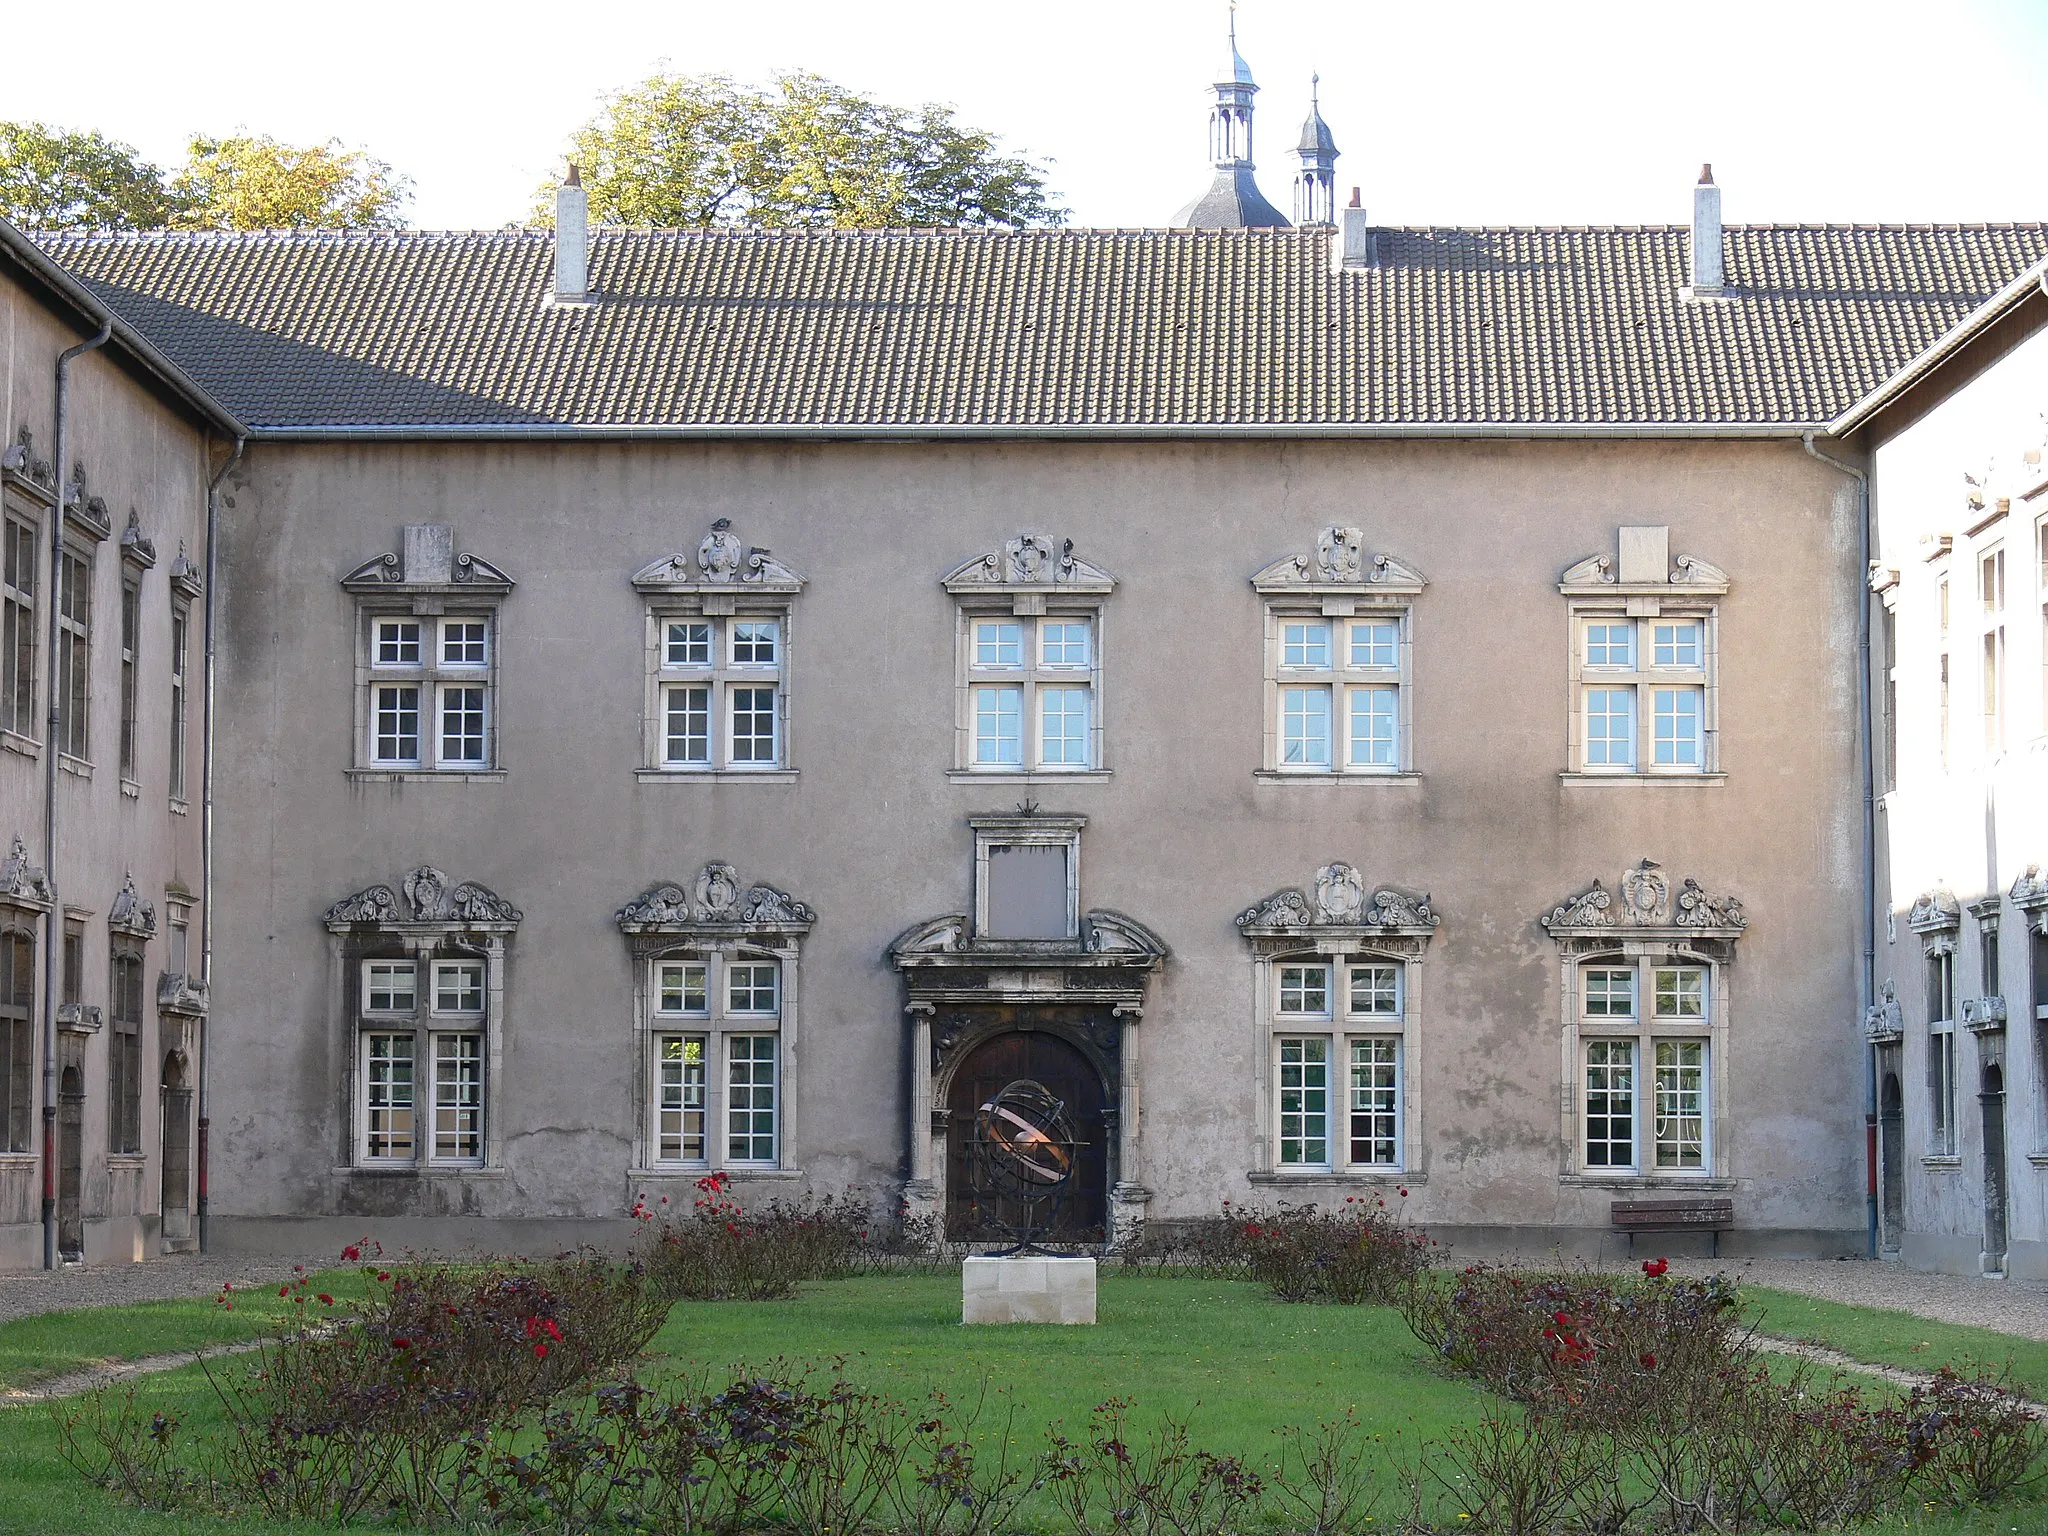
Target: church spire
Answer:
pixel 1315 184
pixel 1233 200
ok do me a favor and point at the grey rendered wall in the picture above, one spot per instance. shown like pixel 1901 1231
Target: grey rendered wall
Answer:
pixel 138 453
pixel 1182 837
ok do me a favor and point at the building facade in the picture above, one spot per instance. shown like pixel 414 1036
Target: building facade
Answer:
pixel 1958 1030
pixel 1350 710
pixel 102 620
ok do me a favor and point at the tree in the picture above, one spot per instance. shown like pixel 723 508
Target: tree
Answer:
pixel 694 150
pixel 253 182
pixel 50 179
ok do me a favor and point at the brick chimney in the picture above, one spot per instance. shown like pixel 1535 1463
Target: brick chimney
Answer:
pixel 1706 235
pixel 572 240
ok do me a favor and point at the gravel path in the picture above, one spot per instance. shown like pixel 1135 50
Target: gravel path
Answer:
pixel 95 1376
pixel 2009 1306
pixel 24 1293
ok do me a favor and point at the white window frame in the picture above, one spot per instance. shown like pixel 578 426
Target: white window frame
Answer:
pixel 433 678
pixel 1338 681
pixel 1341 1026
pixel 716 1024
pixel 1658 972
pixel 22 614
pixel 368 1113
pixel 722 676
pixel 425 1023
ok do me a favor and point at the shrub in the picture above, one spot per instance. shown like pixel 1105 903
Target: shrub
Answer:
pixel 1356 1253
pixel 721 1251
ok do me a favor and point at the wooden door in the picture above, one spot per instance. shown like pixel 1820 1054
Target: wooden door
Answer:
pixel 71 1165
pixel 1063 1071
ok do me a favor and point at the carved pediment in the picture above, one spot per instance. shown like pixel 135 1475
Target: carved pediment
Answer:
pixel 21 459
pixel 1339 902
pixel 716 900
pixel 83 510
pixel 1339 562
pixel 1111 933
pixel 1884 1023
pixel 721 562
pixel 1029 562
pixel 426 561
pixel 177 993
pixel 134 547
pixel 934 936
pixel 130 914
pixel 431 900
pixel 1643 902
pixel 186 578
pixel 1983 1014
pixel 1935 911
pixel 2030 891
pixel 22 884
pixel 1601 573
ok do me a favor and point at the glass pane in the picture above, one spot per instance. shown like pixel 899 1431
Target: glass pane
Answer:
pixel 1610 994
pixel 1376 989
pixel 1375 727
pixel 397 724
pixel 1305 727
pixel 1305 989
pixel 689 645
pixel 387 1096
pixel 1681 1088
pixel 398 642
pixel 1304 1091
pixel 1304 643
pixel 750 987
pixel 756 642
pixel 1063 643
pixel 682 987
pixel 1376 643
pixel 1610 727
pixel 1675 643
pixel 1676 727
pixel 1681 994
pixel 1610 1104
pixel 458 1097
pixel 750 1098
pixel 999 727
pixel 462 643
pixel 1063 726
pixel 462 725
pixel 688 731
pixel 459 986
pixel 1611 643
pixel 998 643
pixel 680 1105
pixel 753 727
pixel 388 986
pixel 1376 1102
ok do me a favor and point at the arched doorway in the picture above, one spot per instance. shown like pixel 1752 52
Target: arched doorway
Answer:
pixel 1891 1160
pixel 1047 1059
pixel 70 1164
pixel 1991 1100
pixel 176 1205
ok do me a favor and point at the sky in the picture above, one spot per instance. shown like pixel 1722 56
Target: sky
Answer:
pixel 1452 112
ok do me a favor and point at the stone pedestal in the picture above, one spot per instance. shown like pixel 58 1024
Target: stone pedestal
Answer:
pixel 1027 1289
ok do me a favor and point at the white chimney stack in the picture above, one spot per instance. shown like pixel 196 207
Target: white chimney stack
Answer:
pixel 1706 234
pixel 1354 236
pixel 572 241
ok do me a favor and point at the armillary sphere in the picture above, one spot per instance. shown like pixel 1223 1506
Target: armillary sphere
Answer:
pixel 1025 1152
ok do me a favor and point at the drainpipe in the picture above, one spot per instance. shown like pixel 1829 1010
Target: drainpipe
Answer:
pixel 53 923
pixel 206 829
pixel 1867 981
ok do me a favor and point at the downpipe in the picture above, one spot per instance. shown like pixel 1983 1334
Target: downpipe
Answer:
pixel 204 1182
pixel 52 926
pixel 1866 755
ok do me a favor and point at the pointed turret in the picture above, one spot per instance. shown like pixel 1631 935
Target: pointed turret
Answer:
pixel 1233 200
pixel 1315 184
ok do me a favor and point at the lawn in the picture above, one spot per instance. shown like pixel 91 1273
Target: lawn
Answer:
pixel 1235 1363
pixel 1898 1338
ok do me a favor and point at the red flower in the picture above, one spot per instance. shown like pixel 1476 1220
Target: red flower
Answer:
pixel 1655 1268
pixel 401 1343
pixel 540 1351
pixel 350 1254
pixel 326 1300
pixel 1562 1319
pixel 284 1290
pixel 383 1274
pixel 1649 1361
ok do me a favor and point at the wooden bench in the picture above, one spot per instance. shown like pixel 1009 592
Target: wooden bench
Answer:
pixel 1694 1215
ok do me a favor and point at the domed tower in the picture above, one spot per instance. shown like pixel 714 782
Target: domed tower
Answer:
pixel 1233 200
pixel 1315 184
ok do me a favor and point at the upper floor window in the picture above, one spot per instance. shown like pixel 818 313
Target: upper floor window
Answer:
pixel 74 652
pixel 181 631
pixel 1029 648
pixel 426 985
pixel 1337 660
pixel 427 657
pixel 20 559
pixel 718 627
pixel 131 647
pixel 717 1010
pixel 1335 970
pixel 1643 661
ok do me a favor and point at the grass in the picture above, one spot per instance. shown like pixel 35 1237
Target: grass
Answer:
pixel 1882 1337
pixel 1238 1364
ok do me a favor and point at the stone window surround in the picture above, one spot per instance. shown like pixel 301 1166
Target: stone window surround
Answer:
pixel 1337 580
pixel 1334 922
pixel 1034 830
pixel 436 918
pixel 1936 917
pixel 1641 924
pixel 722 580
pixel 426 579
pixel 26 903
pixel 1644 582
pixel 716 914
pixel 1031 576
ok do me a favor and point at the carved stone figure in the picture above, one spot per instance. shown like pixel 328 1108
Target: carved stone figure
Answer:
pixel 1397 909
pixel 1340 894
pixel 1282 909
pixel 1645 892
pixel 1883 1020
pixel 2028 892
pixel 720 554
pixel 377 904
pixel 1028 557
pixel 716 898
pixel 21 880
pixel 1340 901
pixel 1934 910
pixel 129 912
pixel 718 887
pixel 1696 909
pixel 1591 908
pixel 1340 554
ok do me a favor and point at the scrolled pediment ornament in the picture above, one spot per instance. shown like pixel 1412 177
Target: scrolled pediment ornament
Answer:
pixel 1339 561
pixel 1027 561
pixel 1339 902
pixel 1935 911
pixel 717 900
pixel 722 561
pixel 1643 903
pixel 130 914
pixel 431 901
pixel 426 561
pixel 2030 895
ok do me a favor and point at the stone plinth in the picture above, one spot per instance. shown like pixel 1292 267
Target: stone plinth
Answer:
pixel 1027 1290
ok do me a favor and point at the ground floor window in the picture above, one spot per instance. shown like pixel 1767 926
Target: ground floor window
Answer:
pixel 680 1101
pixel 1941 1075
pixel 1611 1104
pixel 751 1098
pixel 458 1098
pixel 1376 1101
pixel 1304 1083
pixel 1681 1124
pixel 387 1098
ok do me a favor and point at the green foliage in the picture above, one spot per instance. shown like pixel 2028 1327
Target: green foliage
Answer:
pixel 50 179
pixel 678 151
pixel 53 180
pixel 250 181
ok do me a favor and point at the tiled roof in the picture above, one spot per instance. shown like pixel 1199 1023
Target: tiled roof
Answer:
pixel 1102 330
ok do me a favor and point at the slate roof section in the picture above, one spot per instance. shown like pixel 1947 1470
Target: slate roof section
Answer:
pixel 1233 201
pixel 1094 332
